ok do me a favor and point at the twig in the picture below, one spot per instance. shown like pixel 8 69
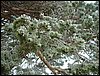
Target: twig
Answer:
pixel 61 71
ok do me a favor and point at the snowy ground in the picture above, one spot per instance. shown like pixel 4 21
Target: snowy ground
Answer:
pixel 25 64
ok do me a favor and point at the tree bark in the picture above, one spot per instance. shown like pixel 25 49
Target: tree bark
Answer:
pixel 46 62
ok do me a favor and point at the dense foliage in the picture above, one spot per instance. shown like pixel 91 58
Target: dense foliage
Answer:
pixel 72 28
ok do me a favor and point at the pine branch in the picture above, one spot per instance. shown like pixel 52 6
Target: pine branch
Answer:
pixel 46 62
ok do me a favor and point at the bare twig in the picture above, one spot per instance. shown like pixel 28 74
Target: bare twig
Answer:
pixel 46 62
pixel 61 71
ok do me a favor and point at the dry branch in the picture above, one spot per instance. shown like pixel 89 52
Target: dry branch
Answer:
pixel 46 62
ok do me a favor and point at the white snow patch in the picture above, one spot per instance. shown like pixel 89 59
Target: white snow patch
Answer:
pixel 89 1
pixel 24 65
pixel 83 54
pixel 48 70
pixel 5 11
pixel 92 42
